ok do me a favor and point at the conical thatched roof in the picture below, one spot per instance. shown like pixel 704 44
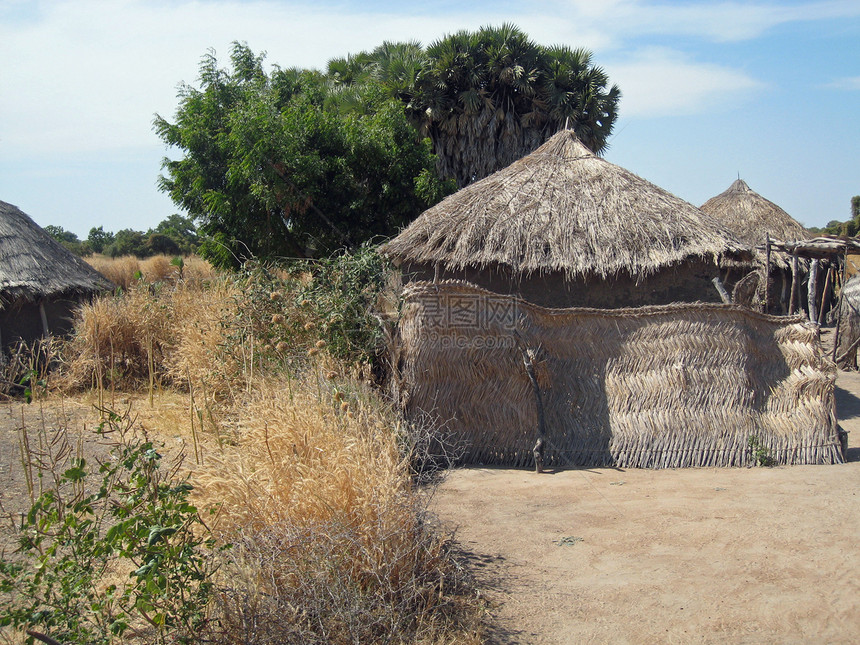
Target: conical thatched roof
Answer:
pixel 563 209
pixel 34 265
pixel 750 216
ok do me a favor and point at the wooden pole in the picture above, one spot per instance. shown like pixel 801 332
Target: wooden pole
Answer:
pixel 845 354
pixel 827 284
pixel 839 306
pixel 813 291
pixel 766 271
pixel 45 332
pixel 793 283
pixel 722 291
pixel 538 449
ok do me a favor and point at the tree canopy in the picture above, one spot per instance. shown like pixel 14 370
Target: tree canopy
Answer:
pixel 68 239
pixel 271 169
pixel 849 228
pixel 489 97
pixel 301 163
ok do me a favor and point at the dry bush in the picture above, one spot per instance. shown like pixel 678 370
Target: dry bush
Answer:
pixel 331 542
pixel 213 334
pixel 200 355
pixel 308 470
pixel 148 335
pixel 128 270
pixel 158 268
pixel 118 341
pixel 198 269
pixel 121 271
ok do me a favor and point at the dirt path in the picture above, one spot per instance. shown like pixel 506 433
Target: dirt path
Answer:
pixel 763 555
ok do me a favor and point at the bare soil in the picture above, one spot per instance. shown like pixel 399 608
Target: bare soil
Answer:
pixel 758 555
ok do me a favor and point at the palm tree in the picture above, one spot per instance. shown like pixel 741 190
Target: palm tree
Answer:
pixel 575 92
pixel 484 98
pixel 490 97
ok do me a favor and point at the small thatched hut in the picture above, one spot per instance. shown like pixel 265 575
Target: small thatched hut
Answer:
pixel 752 218
pixel 563 227
pixel 40 281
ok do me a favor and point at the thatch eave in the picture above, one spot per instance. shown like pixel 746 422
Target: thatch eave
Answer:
pixel 752 217
pixel 738 259
pixel 35 267
pixel 562 209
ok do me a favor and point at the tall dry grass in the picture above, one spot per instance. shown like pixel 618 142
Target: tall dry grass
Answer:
pixel 128 270
pixel 305 467
pixel 328 530
pixel 147 336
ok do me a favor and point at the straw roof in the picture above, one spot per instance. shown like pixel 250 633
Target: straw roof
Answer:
pixel 750 216
pixel 34 265
pixel 563 209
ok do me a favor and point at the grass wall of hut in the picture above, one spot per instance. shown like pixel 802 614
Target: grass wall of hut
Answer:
pixel 691 281
pixel 666 386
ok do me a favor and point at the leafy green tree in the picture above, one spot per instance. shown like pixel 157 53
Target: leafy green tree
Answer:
pixel 127 242
pixel 181 230
pixel 68 239
pixel 846 229
pixel 272 167
pixel 98 239
pixel 161 244
pixel 60 234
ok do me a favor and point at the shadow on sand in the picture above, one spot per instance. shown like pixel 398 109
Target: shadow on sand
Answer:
pixel 848 407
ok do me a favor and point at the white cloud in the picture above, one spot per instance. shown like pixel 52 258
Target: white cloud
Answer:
pixel 663 82
pixel 717 21
pixel 846 83
pixel 89 75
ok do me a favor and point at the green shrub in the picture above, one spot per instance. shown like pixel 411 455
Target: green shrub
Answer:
pixel 106 550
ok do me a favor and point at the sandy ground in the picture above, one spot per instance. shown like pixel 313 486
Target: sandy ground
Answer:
pixel 759 555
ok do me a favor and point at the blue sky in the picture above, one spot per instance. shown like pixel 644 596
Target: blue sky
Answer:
pixel 768 91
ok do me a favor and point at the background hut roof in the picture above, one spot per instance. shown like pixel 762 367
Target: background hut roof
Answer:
pixel 34 265
pixel 750 216
pixel 562 208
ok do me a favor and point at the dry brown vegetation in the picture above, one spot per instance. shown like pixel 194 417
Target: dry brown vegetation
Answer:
pixel 128 270
pixel 305 469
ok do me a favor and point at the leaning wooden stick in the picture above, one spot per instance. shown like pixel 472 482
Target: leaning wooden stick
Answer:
pixel 528 361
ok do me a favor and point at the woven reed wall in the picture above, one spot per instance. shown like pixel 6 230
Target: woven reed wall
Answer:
pixel 849 326
pixel 654 387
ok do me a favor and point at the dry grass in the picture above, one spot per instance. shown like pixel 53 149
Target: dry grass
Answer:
pixel 154 338
pixel 329 532
pixel 126 271
pixel 306 468
pixel 120 271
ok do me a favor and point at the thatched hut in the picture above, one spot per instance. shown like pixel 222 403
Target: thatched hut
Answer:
pixel 41 282
pixel 563 227
pixel 524 331
pixel 750 216
pixel 754 219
